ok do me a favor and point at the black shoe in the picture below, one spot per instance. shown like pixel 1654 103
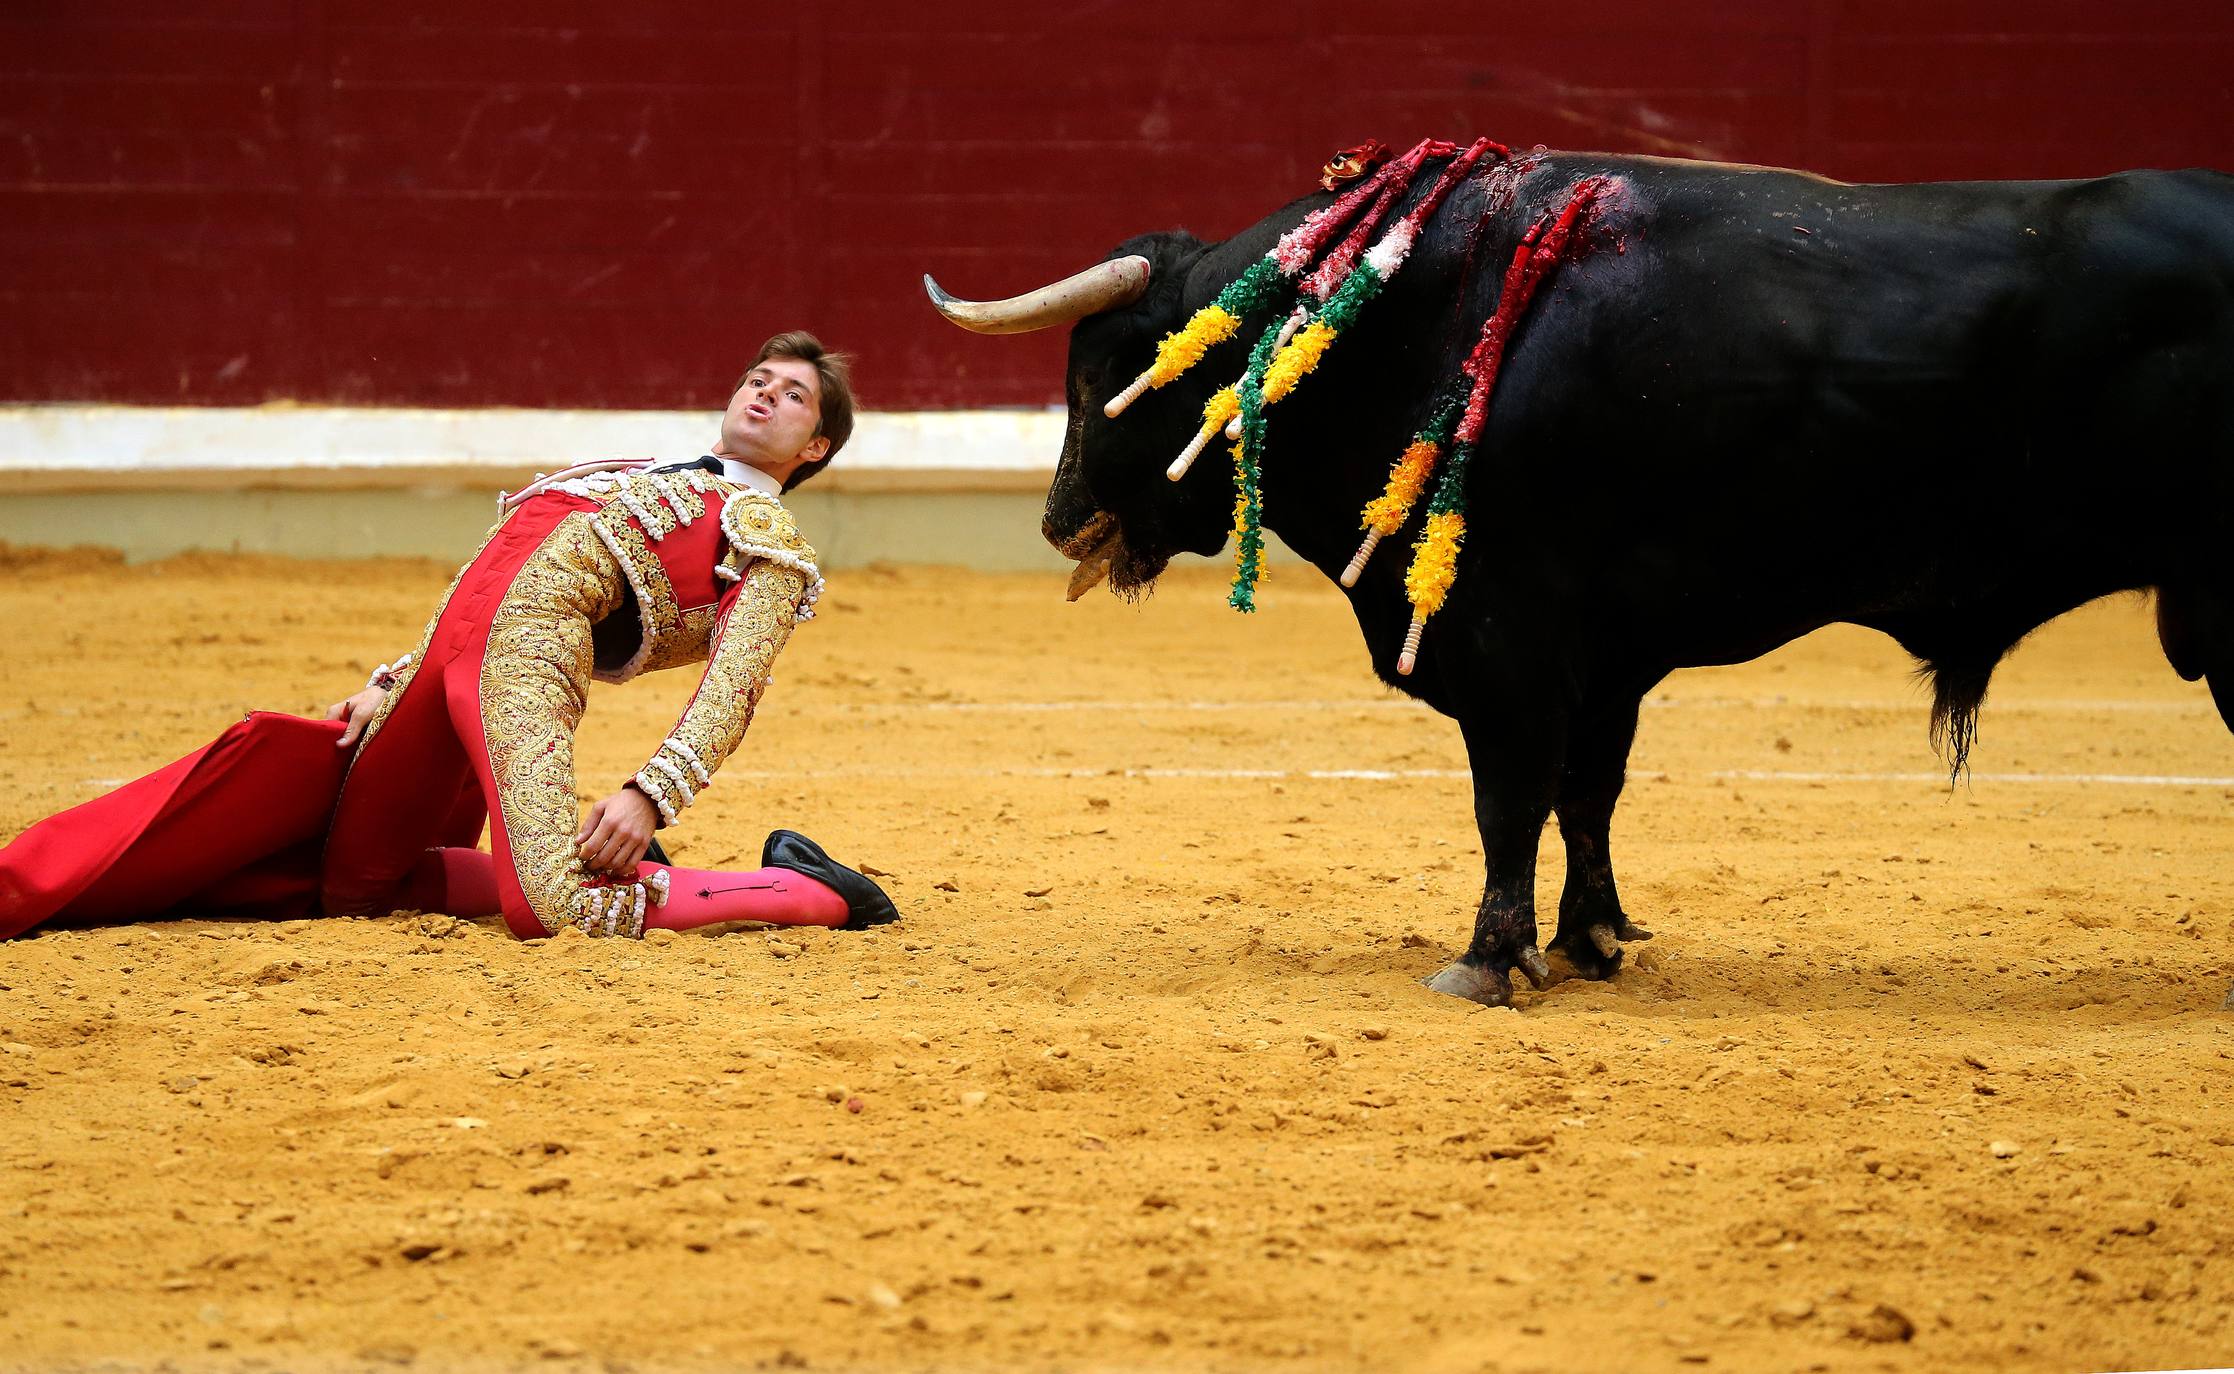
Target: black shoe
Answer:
pixel 866 904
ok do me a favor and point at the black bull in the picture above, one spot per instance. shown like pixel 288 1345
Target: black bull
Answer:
pixel 1759 402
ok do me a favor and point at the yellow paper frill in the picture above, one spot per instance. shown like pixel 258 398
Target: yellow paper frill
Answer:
pixel 1219 410
pixel 1298 358
pixel 1212 325
pixel 1407 479
pixel 1435 562
pixel 1240 501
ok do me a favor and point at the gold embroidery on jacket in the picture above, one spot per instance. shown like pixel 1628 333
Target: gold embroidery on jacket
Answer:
pixel 683 491
pixel 756 526
pixel 539 662
pixel 655 594
pixel 640 509
pixel 688 643
pixel 534 680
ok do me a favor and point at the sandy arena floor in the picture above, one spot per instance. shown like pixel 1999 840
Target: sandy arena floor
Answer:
pixel 1911 1080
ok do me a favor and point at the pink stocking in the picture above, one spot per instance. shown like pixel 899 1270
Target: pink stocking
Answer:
pixel 699 897
pixel 462 883
pixel 456 882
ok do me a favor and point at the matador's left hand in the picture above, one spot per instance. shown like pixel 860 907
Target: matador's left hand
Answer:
pixel 618 832
pixel 357 711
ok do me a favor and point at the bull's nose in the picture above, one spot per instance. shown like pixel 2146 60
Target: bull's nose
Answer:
pixel 1080 542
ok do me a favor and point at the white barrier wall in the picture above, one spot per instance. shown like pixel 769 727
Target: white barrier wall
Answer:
pixel 954 487
pixel 961 487
pixel 90 448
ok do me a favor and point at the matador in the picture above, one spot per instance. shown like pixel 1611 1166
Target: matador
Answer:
pixel 602 571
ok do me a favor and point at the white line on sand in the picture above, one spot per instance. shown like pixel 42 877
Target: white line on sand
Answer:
pixel 1460 774
pixel 1084 774
pixel 2052 779
pixel 2074 707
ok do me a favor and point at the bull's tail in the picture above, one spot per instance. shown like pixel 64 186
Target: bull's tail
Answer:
pixel 1958 690
pixel 2196 627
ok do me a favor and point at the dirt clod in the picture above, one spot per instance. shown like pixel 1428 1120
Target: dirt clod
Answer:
pixel 1882 1325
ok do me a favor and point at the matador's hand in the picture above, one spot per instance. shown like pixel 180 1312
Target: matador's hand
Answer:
pixel 618 832
pixel 357 710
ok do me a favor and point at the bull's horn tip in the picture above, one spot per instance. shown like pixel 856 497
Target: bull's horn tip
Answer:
pixel 936 292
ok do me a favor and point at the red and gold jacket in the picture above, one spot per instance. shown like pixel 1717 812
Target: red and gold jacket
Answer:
pixel 716 573
pixel 719 574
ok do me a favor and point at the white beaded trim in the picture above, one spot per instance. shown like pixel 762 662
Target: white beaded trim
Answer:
pixel 570 480
pixel 637 660
pixel 628 488
pixel 652 788
pixel 591 920
pixel 667 784
pixel 652 527
pixel 608 911
pixel 782 558
pixel 682 779
pixel 665 484
pixel 689 756
pixel 745 548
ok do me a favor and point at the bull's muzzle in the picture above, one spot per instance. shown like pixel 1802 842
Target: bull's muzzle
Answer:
pixel 1093 546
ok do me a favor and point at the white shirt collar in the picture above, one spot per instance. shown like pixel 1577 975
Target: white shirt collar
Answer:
pixel 746 475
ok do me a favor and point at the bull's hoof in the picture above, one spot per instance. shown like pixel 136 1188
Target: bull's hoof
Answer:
pixel 1486 986
pixel 1593 951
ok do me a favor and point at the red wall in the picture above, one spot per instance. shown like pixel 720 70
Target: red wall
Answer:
pixel 599 203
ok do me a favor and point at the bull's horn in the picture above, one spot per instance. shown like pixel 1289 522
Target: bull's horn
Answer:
pixel 1104 286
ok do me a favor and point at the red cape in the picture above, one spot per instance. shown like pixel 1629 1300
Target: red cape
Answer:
pixel 234 828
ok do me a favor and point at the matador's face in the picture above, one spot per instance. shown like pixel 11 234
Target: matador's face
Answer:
pixel 771 421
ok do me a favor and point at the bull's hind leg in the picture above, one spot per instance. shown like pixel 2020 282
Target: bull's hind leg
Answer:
pixel 1591 922
pixel 1515 757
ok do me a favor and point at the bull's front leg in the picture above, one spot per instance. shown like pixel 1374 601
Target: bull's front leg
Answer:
pixel 1591 921
pixel 1515 758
